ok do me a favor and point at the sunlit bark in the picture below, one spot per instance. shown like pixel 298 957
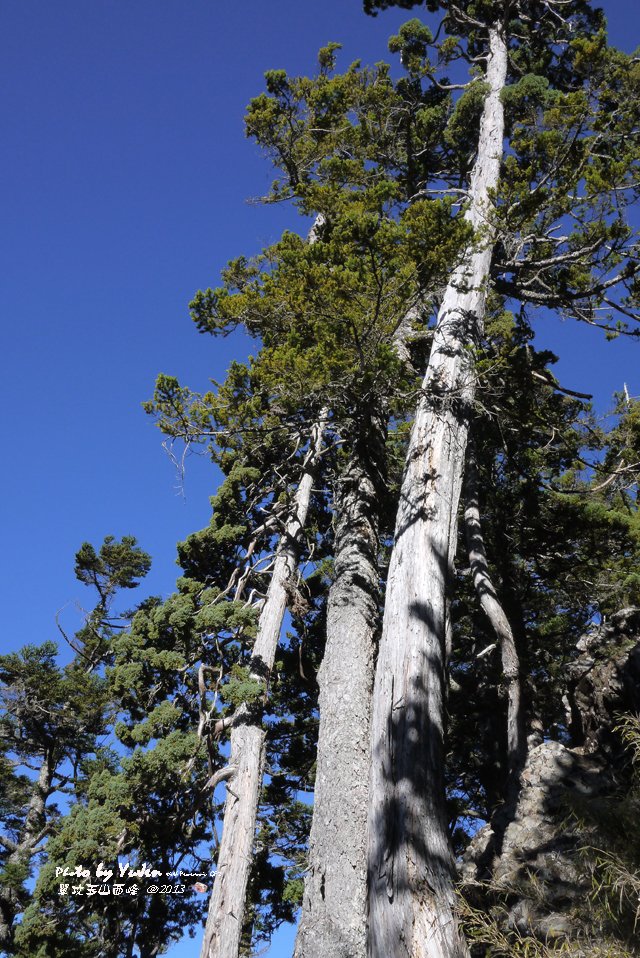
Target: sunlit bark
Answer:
pixel 412 900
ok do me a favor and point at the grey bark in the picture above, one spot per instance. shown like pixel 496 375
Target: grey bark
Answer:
pixel 603 683
pixel 411 898
pixel 538 865
pixel 226 907
pixel 491 605
pixel 333 922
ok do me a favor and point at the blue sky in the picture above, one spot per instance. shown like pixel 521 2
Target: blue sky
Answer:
pixel 124 189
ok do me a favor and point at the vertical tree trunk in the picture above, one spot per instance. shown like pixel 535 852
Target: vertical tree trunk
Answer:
pixel 488 598
pixel 411 898
pixel 226 908
pixel 333 923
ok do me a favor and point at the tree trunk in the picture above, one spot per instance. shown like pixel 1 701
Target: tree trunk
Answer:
pixel 333 923
pixel 488 598
pixel 226 908
pixel 411 898
pixel 545 890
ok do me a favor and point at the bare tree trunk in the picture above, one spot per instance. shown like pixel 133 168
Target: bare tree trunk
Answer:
pixel 333 923
pixel 488 598
pixel 411 897
pixel 226 907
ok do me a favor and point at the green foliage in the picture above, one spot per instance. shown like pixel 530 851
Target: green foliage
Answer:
pixel 559 505
pixel 411 43
pixel 242 688
pixel 47 708
pixel 326 313
pixel 52 721
pixel 353 131
pixel 559 509
pixel 372 6
pixel 342 327
pixel 463 126
pixel 530 94
pixel 117 565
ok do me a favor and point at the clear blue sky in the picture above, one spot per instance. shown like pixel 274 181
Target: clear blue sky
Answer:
pixel 125 176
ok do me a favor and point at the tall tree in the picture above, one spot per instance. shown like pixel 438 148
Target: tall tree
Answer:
pixel 537 155
pixel 224 926
pixel 411 893
pixel 383 261
pixel 340 301
pixel 412 906
pixel 251 423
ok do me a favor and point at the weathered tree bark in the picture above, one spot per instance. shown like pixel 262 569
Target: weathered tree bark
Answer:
pixel 25 848
pixel 411 898
pixel 537 867
pixel 226 908
pixel 491 605
pixel 333 923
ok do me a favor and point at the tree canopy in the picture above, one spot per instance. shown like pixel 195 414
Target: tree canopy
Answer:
pixel 379 637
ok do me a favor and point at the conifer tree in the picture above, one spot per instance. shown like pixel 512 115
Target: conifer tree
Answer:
pixel 250 412
pixel 329 315
pixel 52 720
pixel 335 165
pixel 327 158
pixel 533 68
pixel 385 335
pixel 552 549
